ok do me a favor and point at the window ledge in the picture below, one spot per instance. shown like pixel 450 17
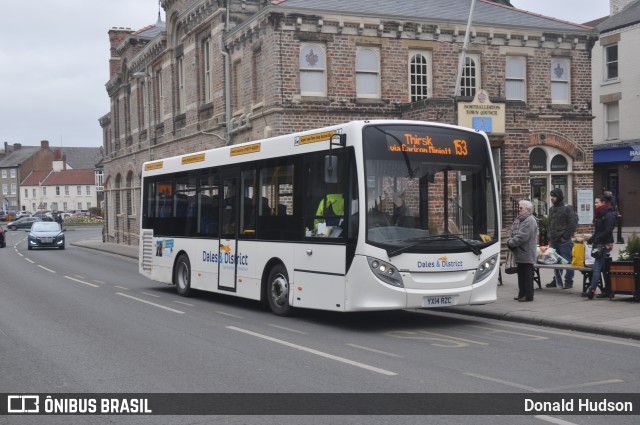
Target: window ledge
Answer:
pixel 314 99
pixel 368 101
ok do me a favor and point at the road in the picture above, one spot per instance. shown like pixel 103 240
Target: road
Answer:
pixel 80 321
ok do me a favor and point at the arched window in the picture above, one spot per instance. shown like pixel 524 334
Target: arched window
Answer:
pixel 313 70
pixel 549 168
pixel 118 194
pixel 420 75
pixel 129 194
pixel 368 72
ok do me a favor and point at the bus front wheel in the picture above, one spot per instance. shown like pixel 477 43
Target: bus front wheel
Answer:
pixel 278 291
pixel 182 275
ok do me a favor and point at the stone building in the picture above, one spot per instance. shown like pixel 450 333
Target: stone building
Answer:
pixel 228 71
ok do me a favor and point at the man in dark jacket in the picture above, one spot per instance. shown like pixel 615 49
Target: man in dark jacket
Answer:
pixel 562 225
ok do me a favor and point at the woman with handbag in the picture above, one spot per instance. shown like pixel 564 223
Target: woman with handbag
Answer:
pixel 523 244
pixel 604 219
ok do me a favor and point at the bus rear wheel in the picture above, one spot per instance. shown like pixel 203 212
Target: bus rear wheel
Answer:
pixel 182 275
pixel 278 291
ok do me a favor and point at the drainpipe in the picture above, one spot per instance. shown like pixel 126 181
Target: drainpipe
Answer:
pixel 227 77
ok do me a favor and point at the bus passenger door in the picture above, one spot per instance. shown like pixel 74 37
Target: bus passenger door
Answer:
pixel 228 234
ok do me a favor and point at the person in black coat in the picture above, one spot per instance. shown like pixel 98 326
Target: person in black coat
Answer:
pixel 603 222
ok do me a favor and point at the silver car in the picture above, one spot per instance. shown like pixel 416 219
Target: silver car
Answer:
pixel 46 234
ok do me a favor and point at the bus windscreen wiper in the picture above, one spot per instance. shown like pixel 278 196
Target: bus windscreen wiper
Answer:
pixel 420 240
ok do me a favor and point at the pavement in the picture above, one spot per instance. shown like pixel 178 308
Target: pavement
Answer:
pixel 552 307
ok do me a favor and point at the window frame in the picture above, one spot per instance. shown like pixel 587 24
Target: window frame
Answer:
pixel 610 121
pixel 377 73
pixel 322 52
pixel 556 81
pixel 426 80
pixel 608 63
pixel 465 89
pixel 521 79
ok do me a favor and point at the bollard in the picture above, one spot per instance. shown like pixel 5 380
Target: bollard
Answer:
pixel 620 239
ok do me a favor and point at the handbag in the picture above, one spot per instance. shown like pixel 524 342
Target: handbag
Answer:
pixel 597 251
pixel 510 267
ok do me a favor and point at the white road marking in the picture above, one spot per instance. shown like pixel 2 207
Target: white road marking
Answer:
pixel 229 314
pixel 544 390
pixel 316 352
pixel 81 281
pixel 43 267
pixel 120 287
pixel 183 303
pixel 553 420
pixel 288 329
pixel 151 295
pixel 98 281
pixel 29 260
pixel 373 350
pixel 150 303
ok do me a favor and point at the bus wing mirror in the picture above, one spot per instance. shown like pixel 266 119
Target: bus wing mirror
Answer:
pixel 331 169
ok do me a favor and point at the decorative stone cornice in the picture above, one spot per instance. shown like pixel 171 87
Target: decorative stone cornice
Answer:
pixel 151 52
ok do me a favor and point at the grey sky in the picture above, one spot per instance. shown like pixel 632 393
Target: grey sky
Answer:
pixel 54 62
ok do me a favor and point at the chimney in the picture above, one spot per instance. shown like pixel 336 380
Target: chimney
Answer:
pixel 17 146
pixel 616 6
pixel 64 162
pixel 44 144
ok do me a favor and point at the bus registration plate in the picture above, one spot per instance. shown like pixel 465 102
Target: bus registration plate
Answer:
pixel 440 301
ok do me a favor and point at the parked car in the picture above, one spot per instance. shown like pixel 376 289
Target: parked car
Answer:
pixel 46 234
pixel 7 215
pixel 21 214
pixel 44 215
pixel 3 240
pixel 22 223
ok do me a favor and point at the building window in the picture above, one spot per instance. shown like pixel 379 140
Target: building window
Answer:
pixel 515 76
pixel 257 77
pixel 313 70
pixel 612 124
pixel 13 173
pixel 181 89
pixel 4 188
pixel 470 78
pixel 4 174
pixel 238 83
pixel 66 190
pixel 78 190
pixel 160 97
pixel 57 190
pixel 26 193
pixel 560 80
pixel 368 72
pixel 33 192
pixel 64 206
pixel 549 168
pixel 611 62
pixel 44 190
pixel 88 188
pixel 129 194
pixel 419 75
pixel 14 188
pixel 80 206
pixel 206 62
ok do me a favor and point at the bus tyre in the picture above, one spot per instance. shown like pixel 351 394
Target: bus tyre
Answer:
pixel 278 291
pixel 182 275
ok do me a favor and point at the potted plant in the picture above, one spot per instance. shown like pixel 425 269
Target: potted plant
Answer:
pixel 623 273
pixel 543 225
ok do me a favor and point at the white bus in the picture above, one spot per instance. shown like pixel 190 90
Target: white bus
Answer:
pixel 366 215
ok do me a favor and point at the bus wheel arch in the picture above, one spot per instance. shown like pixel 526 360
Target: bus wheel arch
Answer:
pixel 182 274
pixel 276 287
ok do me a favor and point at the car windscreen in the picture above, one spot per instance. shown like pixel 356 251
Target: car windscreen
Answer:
pixel 45 227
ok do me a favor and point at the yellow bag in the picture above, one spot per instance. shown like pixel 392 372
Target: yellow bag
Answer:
pixel 577 255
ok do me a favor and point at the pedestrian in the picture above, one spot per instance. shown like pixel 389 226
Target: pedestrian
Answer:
pixel 523 243
pixel 563 221
pixel 604 219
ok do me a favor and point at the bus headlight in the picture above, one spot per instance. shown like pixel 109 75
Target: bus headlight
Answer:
pixel 485 268
pixel 385 272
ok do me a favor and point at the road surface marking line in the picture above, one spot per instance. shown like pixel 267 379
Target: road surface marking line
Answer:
pixel 29 260
pixel 586 384
pixel 373 350
pixel 80 281
pixel 151 295
pixel 229 314
pixel 574 334
pixel 150 303
pixel 553 420
pixel 453 337
pixel 500 381
pixel 98 281
pixel 43 267
pixel 184 303
pixel 120 287
pixel 316 352
pixel 288 329
pixel 495 331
